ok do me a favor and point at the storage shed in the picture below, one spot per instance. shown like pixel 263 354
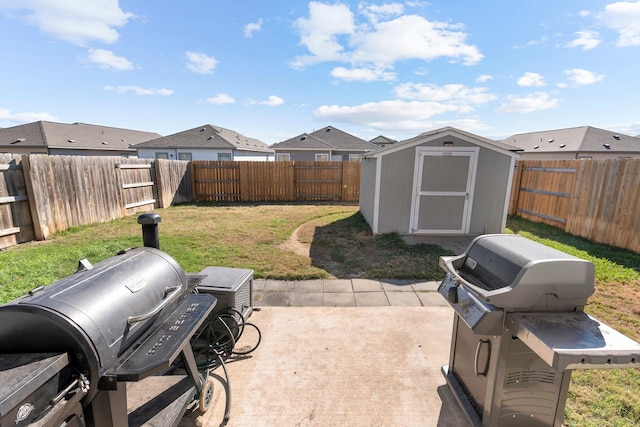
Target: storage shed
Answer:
pixel 442 182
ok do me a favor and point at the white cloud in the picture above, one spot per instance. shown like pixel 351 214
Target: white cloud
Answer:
pixel 383 111
pixel 221 99
pixel 414 109
pixel 624 17
pixel 201 63
pixel 273 101
pixel 531 79
pixel 362 74
pixel 412 37
pixel 483 78
pixel 375 12
pixel 252 27
pixel 586 40
pixel 332 34
pixel 529 103
pixel 139 91
pixel 106 59
pixel 583 77
pixel 25 117
pixel 319 32
pixel 77 22
pixel 457 93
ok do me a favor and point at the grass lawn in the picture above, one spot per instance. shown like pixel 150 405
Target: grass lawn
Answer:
pixel 338 243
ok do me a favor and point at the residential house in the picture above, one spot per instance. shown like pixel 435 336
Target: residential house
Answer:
pixel 79 139
pixel 205 142
pixel 383 141
pixel 584 142
pixel 326 144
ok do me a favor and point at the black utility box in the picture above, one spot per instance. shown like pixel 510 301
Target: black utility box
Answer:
pixel 233 287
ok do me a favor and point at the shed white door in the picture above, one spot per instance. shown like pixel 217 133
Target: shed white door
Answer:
pixel 442 189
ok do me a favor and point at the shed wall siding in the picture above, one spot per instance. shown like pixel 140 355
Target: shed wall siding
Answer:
pixel 490 192
pixel 367 189
pixel 396 182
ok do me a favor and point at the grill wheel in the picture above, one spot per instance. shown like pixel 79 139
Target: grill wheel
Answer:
pixel 206 395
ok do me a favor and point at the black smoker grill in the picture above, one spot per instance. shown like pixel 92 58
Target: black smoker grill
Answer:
pixel 70 352
pixel 519 330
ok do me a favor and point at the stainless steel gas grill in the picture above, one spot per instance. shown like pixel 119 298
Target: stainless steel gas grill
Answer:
pixel 73 352
pixel 519 330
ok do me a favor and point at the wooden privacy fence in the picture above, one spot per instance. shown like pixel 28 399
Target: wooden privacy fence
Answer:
pixel 275 181
pixel 594 198
pixel 41 194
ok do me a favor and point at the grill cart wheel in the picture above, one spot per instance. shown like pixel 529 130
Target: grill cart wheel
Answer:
pixel 206 395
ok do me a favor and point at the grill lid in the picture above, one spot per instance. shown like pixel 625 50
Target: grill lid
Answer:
pixel 513 272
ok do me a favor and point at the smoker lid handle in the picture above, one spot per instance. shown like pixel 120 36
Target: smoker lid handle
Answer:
pixel 172 294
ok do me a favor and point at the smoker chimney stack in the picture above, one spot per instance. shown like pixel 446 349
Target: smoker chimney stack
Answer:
pixel 149 223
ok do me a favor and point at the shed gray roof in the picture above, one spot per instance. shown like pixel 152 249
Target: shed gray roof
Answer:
pixel 448 130
pixel 207 136
pixel 578 139
pixel 77 136
pixel 327 138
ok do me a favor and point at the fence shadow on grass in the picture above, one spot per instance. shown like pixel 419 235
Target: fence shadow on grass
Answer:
pixel 619 256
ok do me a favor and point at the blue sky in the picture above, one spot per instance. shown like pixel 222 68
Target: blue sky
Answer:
pixel 275 69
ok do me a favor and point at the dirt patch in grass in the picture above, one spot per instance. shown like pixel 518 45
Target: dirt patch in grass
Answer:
pixel 344 247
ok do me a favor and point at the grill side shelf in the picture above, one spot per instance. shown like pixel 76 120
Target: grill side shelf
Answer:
pixel 158 350
pixel 574 341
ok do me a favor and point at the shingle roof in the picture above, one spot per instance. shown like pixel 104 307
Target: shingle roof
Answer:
pixel 578 139
pixel 207 136
pixel 77 136
pixel 302 141
pixel 327 138
pixel 381 139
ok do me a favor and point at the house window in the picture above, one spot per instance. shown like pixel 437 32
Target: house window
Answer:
pixel 162 155
pixel 184 156
pixel 355 157
pixel 226 157
pixel 283 157
pixel 322 157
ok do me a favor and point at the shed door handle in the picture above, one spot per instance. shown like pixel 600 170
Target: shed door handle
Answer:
pixel 477 358
pixel 173 293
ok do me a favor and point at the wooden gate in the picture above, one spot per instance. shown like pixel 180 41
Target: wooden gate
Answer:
pixel 16 223
pixel 544 190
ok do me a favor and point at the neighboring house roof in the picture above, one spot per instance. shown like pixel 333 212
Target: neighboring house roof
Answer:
pixel 207 136
pixel 579 139
pixel 72 136
pixel 446 131
pixel 327 138
pixel 383 140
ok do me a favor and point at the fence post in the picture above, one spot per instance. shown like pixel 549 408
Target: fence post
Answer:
pixel 158 171
pixel 194 194
pixel 515 188
pixel 38 230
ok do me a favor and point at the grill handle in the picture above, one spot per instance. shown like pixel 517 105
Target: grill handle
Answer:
pixel 477 358
pixel 173 293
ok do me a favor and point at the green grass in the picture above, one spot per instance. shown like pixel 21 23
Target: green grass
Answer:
pixel 342 245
